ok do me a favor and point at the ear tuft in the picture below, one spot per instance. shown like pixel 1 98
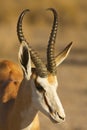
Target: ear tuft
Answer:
pixel 24 58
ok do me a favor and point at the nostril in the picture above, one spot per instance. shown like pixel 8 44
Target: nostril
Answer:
pixel 61 117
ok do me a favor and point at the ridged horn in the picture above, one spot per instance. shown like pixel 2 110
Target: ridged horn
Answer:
pixel 51 64
pixel 19 26
pixel 40 66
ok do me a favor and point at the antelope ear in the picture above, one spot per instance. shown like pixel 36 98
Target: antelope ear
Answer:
pixel 62 56
pixel 25 60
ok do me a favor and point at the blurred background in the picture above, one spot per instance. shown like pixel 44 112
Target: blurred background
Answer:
pixel 72 74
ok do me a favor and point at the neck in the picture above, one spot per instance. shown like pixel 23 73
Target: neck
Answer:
pixel 23 112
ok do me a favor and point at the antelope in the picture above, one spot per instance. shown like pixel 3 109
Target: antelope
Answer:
pixel 27 89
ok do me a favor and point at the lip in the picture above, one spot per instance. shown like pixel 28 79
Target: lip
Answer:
pixel 53 120
pixel 56 120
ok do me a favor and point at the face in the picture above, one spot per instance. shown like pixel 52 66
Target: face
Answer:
pixel 45 98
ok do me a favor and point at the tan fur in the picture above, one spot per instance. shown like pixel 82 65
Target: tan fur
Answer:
pixel 10 79
pixel 51 78
pixel 35 125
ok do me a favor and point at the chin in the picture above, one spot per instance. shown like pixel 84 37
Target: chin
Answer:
pixel 53 120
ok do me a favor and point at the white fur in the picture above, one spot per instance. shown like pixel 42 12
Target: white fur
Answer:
pixel 51 96
pixel 29 62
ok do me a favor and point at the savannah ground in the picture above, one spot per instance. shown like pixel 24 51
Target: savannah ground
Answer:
pixel 72 74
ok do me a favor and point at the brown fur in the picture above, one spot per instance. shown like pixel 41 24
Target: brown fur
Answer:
pixel 51 79
pixel 10 79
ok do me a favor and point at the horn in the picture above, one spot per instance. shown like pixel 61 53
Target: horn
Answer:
pixel 51 64
pixel 19 26
pixel 40 66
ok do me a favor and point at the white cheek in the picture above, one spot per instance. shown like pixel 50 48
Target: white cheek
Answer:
pixel 38 100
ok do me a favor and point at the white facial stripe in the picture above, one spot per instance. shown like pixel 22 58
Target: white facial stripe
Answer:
pixel 51 100
pixel 44 82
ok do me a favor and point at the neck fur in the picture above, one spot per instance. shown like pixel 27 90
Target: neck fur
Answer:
pixel 24 112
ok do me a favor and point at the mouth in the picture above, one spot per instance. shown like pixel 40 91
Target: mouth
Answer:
pixel 53 120
pixel 54 116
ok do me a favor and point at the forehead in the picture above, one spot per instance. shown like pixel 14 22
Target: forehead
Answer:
pixel 49 81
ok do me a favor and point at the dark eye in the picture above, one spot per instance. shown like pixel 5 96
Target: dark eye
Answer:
pixel 40 88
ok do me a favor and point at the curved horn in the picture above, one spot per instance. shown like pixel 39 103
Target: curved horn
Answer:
pixel 40 67
pixel 19 26
pixel 51 65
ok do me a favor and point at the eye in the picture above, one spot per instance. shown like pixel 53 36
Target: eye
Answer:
pixel 40 88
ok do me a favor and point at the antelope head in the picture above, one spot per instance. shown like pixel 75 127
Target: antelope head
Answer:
pixel 43 77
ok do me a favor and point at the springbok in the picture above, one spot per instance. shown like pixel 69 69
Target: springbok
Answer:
pixel 24 92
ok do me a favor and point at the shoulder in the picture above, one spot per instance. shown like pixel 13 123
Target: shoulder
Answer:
pixel 10 78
